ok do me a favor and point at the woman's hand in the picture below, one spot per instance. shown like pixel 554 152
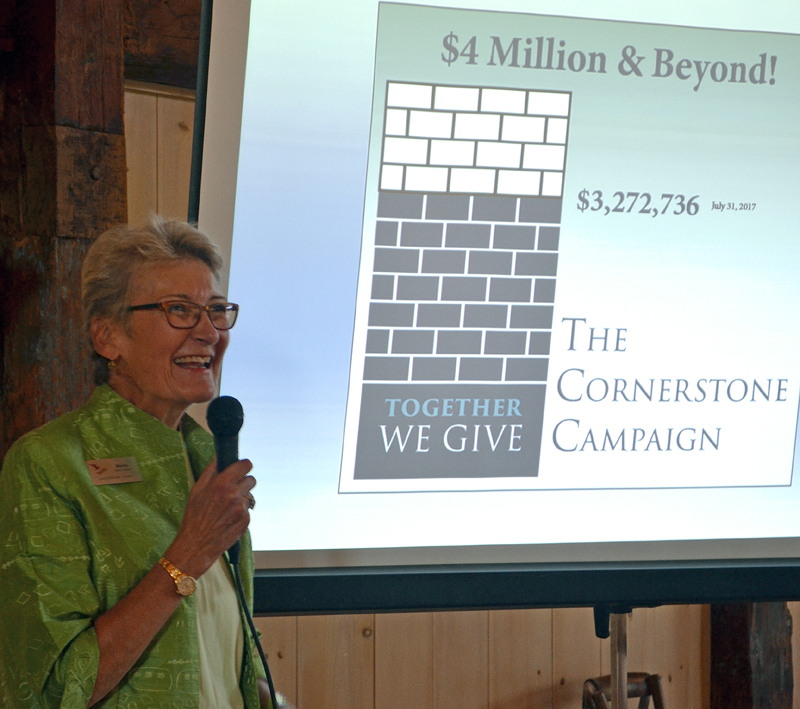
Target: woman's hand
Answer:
pixel 217 514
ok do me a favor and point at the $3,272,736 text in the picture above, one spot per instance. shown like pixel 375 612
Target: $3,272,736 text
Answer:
pixel 638 203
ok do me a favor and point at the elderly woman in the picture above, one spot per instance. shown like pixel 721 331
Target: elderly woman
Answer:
pixel 112 515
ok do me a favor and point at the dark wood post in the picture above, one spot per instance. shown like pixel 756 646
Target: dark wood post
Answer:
pixel 62 182
pixel 751 656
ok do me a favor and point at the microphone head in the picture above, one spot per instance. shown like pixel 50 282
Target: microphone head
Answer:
pixel 225 416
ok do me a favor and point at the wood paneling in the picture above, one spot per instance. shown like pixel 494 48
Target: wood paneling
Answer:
pixel 664 641
pixel 576 655
pixel 175 121
pixel 158 129
pixel 521 659
pixel 335 668
pixel 461 660
pixel 279 641
pixel 404 660
pixel 141 138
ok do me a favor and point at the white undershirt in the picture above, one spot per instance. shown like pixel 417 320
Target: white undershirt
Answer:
pixel 220 639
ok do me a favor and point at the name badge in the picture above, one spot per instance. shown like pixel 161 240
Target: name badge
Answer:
pixel 111 471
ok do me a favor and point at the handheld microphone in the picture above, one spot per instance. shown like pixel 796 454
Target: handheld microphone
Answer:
pixel 225 417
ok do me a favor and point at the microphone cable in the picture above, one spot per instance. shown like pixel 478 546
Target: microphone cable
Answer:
pixel 237 577
pixel 225 418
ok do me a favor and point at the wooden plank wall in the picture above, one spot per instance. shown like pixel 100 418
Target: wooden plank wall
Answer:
pixel 516 659
pixel 158 136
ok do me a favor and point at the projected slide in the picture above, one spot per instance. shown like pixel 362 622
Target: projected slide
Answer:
pixel 497 264
pixel 540 306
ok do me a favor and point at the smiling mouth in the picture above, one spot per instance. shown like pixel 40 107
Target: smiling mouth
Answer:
pixel 193 362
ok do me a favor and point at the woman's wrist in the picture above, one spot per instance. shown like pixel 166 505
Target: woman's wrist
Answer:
pixel 186 559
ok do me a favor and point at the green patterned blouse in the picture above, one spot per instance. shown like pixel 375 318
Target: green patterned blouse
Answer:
pixel 70 549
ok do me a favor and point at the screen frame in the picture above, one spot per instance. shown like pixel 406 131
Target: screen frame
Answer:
pixel 608 585
pixel 334 581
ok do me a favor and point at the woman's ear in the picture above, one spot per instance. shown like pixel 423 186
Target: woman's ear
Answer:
pixel 105 337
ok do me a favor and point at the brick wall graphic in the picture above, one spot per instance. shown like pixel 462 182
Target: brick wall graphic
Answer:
pixel 463 282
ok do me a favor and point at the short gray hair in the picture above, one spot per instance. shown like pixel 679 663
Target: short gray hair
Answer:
pixel 113 257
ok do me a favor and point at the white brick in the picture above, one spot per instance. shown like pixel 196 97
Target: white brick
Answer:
pixel 410 151
pixel 392 177
pixel 547 104
pixel 396 119
pixel 464 179
pixel 503 101
pixel 454 98
pixel 476 126
pixel 556 130
pixel 409 95
pixel 518 182
pixel 551 184
pixel 426 179
pixel 543 157
pixel 523 128
pixel 498 154
pixel 452 152
pixel 430 124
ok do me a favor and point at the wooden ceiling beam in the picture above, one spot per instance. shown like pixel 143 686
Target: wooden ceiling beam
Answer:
pixel 161 40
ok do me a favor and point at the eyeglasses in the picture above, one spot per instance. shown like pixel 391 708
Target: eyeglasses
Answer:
pixel 184 315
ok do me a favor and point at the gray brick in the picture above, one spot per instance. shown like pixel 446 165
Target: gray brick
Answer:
pixel 493 262
pixel 396 260
pixel 532 316
pixel 545 290
pixel 513 290
pixel 391 314
pixel 439 315
pixel 412 342
pixel 386 234
pixel 504 342
pixel 447 206
pixel 494 209
pixel 459 342
pixel 433 369
pixel 511 236
pixel 542 210
pixel 399 205
pixel 463 288
pixel 480 369
pixel 382 287
pixel 548 238
pixel 417 288
pixel 485 315
pixel 527 369
pixel 539 343
pixel 377 341
pixel 536 264
pixel 470 236
pixel 443 261
pixel 392 368
pixel 421 234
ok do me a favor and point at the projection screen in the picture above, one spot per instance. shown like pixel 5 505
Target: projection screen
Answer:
pixel 518 280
